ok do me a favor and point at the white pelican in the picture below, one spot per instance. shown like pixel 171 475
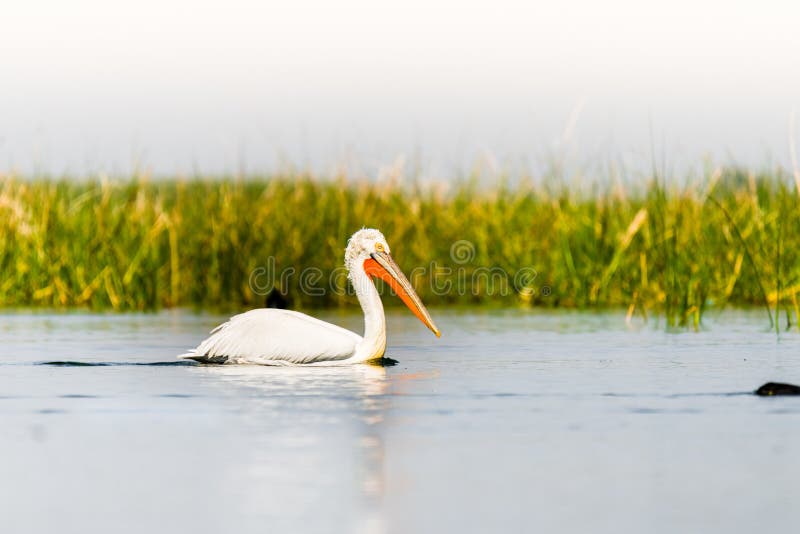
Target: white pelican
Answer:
pixel 283 337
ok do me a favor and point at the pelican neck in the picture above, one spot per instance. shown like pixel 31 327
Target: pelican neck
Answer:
pixel 373 345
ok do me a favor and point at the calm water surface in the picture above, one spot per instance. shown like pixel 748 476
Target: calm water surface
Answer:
pixel 512 422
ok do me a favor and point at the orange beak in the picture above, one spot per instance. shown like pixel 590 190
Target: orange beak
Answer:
pixel 381 265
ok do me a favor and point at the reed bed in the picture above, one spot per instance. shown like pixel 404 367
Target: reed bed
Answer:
pixel 729 238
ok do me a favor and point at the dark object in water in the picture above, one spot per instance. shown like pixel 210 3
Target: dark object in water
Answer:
pixel 382 362
pixel 276 299
pixel 771 389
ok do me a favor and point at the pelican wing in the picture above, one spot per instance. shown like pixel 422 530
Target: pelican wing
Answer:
pixel 276 337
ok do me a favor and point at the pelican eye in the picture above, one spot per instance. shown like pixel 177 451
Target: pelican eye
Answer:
pixel 378 247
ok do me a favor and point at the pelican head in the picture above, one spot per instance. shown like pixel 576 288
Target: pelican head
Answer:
pixel 367 250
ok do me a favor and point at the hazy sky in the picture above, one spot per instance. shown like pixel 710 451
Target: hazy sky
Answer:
pixel 180 86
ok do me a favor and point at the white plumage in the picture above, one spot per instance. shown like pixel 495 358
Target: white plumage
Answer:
pixel 283 337
pixel 276 337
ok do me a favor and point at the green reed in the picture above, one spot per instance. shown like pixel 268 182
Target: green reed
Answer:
pixel 731 237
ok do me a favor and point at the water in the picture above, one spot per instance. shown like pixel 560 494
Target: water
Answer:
pixel 512 422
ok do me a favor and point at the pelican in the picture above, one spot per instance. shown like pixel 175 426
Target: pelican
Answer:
pixel 284 337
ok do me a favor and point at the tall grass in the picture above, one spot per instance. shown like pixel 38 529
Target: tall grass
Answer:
pixel 730 238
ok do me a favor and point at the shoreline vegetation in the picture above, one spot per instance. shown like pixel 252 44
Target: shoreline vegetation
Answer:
pixel 731 237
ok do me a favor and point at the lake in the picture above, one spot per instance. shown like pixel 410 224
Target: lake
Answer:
pixel 513 421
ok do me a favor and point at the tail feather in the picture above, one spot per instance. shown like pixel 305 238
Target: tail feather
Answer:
pixel 202 358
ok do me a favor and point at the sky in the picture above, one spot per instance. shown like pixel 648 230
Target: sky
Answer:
pixel 186 87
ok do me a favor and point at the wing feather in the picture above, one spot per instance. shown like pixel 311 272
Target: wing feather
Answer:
pixel 277 337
